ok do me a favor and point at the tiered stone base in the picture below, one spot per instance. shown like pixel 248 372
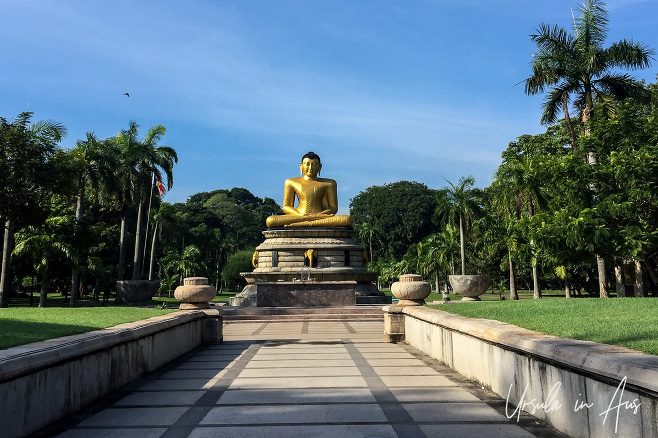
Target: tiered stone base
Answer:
pixel 329 255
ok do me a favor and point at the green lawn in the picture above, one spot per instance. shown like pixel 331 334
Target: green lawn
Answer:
pixel 23 325
pixel 629 322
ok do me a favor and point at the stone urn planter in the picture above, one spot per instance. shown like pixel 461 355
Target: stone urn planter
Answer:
pixel 195 293
pixel 470 287
pixel 411 290
pixel 137 292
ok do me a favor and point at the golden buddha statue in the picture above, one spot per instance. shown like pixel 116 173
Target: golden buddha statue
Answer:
pixel 318 199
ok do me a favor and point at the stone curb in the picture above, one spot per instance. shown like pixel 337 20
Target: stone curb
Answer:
pixel 605 360
pixel 24 359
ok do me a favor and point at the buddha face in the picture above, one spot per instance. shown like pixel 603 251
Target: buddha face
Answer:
pixel 310 167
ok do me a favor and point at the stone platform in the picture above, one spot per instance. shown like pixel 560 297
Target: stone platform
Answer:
pixel 328 255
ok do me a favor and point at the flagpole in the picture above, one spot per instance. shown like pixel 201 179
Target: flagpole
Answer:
pixel 148 219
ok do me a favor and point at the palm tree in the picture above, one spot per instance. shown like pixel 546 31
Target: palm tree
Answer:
pixel 458 203
pixel 186 264
pixel 578 65
pixel 44 244
pixel 366 230
pixel 141 160
pixel 437 252
pixel 94 162
pixel 521 187
pixel 163 215
pixel 26 150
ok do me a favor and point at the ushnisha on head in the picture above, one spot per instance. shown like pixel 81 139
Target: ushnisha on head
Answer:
pixel 310 165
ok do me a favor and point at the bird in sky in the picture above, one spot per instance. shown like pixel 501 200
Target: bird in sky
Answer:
pixel 126 94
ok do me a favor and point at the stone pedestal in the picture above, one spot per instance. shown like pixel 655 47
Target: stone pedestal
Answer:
pixel 306 294
pixel 195 293
pixel 393 323
pixel 329 253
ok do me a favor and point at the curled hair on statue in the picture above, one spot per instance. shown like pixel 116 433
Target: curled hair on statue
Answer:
pixel 312 156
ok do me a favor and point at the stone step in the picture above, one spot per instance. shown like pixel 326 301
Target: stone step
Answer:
pixel 318 318
pixel 351 313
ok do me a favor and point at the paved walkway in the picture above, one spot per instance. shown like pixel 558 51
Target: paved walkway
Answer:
pixel 302 379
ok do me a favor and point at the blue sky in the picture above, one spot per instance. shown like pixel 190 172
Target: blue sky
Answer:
pixel 382 90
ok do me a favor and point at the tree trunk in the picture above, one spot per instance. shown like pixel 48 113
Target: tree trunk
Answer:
pixel 436 281
pixel 535 272
pixel 75 274
pixel 619 281
pixel 567 287
pixel 122 244
pixel 44 288
pixel 535 280
pixel 567 121
pixel 7 248
pixel 513 294
pixel 137 257
pixel 370 239
pixel 638 289
pixel 650 270
pixel 461 240
pixel 603 288
pixel 152 263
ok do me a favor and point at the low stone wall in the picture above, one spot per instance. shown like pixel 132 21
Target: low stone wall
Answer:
pixel 583 389
pixel 45 381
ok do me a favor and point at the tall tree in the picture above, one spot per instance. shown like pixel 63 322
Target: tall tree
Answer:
pixel 140 160
pixel 520 186
pixel 399 213
pixel 28 175
pixel 459 204
pixel 577 64
pixel 94 164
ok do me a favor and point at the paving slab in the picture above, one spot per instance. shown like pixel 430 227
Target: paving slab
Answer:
pixel 293 379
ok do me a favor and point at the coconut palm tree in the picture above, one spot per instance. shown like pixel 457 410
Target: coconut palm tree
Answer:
pixel 458 203
pixel 94 162
pixel 521 187
pixel 579 70
pixel 366 230
pixel 185 264
pixel 26 150
pixel 141 159
pixel 44 244
pixel 437 253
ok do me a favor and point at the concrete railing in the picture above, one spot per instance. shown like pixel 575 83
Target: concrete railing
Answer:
pixel 45 381
pixel 583 389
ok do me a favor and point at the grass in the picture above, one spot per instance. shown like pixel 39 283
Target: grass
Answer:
pixel 171 302
pixel 630 322
pixel 491 295
pixel 23 325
